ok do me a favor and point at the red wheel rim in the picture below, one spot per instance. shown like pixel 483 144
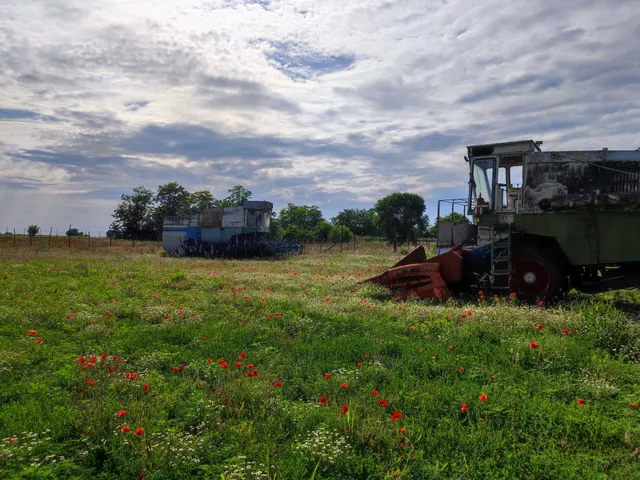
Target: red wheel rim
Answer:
pixel 530 277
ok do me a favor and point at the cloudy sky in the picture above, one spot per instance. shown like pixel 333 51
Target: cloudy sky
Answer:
pixel 327 102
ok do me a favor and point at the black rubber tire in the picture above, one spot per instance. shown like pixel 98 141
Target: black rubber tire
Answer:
pixel 538 274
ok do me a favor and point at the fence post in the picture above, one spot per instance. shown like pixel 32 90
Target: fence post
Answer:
pixel 89 238
pixel 69 235
pixel 14 237
pixel 50 231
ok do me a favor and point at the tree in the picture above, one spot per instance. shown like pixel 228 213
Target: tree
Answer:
pixel 292 232
pixel 303 217
pixel 201 201
pixel 401 216
pixel 74 232
pixel 134 215
pixel 33 230
pixel 172 199
pixel 321 231
pixel 359 221
pixel 238 195
pixel 340 233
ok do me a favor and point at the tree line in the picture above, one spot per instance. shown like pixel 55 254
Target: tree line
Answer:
pixel 398 217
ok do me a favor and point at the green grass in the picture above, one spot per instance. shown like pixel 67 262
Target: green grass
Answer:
pixel 204 421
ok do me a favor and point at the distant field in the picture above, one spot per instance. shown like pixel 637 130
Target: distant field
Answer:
pixel 117 362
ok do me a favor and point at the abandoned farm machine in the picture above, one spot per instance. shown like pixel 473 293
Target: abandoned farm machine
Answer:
pixel 543 223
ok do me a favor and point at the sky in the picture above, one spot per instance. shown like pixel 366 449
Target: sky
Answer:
pixel 333 103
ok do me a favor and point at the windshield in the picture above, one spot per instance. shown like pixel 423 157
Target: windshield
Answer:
pixel 483 180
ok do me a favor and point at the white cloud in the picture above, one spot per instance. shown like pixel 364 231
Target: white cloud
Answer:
pixel 348 100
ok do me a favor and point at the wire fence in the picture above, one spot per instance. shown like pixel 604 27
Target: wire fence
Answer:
pixel 51 240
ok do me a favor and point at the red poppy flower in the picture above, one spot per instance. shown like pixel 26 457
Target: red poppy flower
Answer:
pixel 565 332
pixel 463 316
pixel 345 409
pixel 13 440
pixel 375 393
pixel 323 399
pixel 434 356
pixel 104 355
pixel 483 397
pixel 39 340
pixel 327 376
pixel 91 383
pixel 139 431
pixel 174 369
pixel 633 405
pixel 359 364
pixel 140 474
pixel 396 416
pixel 146 387
pixel 254 373
pixel 223 364
pixel 125 429
pixel 121 413
pixel 277 384
pixel 344 385
pixel 464 407
pixel 277 314
pixel 581 401
pixel 111 368
pixel 32 332
pixel 411 329
pixel 383 403
pixel 469 313
pixel 540 303
pixel 461 369
pixel 92 359
pixel 238 364
pixel 250 366
pixel 450 347
pixel 512 294
pixel 533 345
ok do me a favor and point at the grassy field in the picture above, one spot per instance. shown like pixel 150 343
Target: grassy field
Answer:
pixel 120 363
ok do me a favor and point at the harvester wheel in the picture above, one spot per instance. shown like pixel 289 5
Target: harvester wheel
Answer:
pixel 537 274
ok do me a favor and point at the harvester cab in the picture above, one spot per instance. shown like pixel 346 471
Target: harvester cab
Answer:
pixel 542 223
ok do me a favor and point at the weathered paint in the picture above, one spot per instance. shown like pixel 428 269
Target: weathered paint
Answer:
pixel 588 181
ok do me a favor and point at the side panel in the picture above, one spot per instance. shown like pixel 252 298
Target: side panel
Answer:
pixel 602 238
pixel 173 236
pixel 573 232
pixel 619 236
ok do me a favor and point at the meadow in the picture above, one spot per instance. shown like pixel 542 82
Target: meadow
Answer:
pixel 120 363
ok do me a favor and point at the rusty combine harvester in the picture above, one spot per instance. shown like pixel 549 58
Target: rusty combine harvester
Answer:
pixel 236 232
pixel 543 223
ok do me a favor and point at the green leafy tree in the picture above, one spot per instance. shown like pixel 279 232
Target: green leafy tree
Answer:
pixel 304 217
pixel 238 195
pixel 340 233
pixel 134 216
pixel 202 200
pixel 401 216
pixel 33 230
pixel 321 231
pixel 171 200
pixel 74 232
pixel 292 232
pixel 359 221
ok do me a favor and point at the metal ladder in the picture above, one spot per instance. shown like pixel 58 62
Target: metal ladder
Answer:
pixel 501 259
